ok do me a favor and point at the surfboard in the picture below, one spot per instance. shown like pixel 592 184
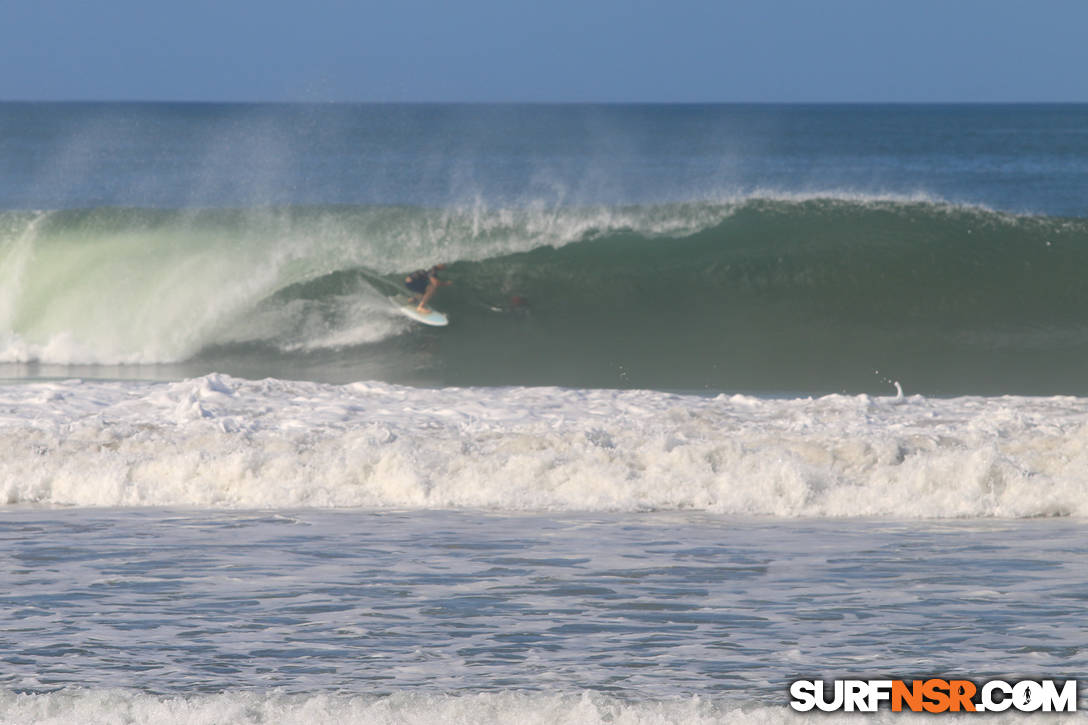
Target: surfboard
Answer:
pixel 433 318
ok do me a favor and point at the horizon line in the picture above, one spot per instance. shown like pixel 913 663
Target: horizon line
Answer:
pixel 447 102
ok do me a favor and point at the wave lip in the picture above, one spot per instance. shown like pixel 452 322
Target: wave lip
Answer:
pixel 222 442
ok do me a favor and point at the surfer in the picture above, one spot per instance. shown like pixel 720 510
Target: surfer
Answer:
pixel 425 283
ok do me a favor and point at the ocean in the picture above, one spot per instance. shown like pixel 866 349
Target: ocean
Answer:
pixel 731 396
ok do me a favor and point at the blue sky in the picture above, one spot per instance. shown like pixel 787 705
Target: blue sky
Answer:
pixel 550 50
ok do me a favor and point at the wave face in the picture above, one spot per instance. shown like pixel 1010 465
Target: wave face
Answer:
pixel 766 293
pixel 220 442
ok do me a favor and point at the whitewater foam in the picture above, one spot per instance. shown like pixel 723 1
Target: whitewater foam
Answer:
pixel 119 706
pixel 218 441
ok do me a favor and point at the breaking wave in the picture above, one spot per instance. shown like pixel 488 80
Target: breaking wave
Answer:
pixel 822 293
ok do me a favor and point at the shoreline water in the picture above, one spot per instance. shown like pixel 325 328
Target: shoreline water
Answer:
pixel 645 608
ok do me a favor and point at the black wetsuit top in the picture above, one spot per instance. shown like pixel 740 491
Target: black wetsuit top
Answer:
pixel 417 281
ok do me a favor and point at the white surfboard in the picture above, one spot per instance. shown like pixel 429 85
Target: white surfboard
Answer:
pixel 408 309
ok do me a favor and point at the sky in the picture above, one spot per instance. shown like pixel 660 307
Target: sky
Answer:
pixel 546 50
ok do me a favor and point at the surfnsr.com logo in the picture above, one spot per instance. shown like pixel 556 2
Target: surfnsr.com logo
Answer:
pixel 934 695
